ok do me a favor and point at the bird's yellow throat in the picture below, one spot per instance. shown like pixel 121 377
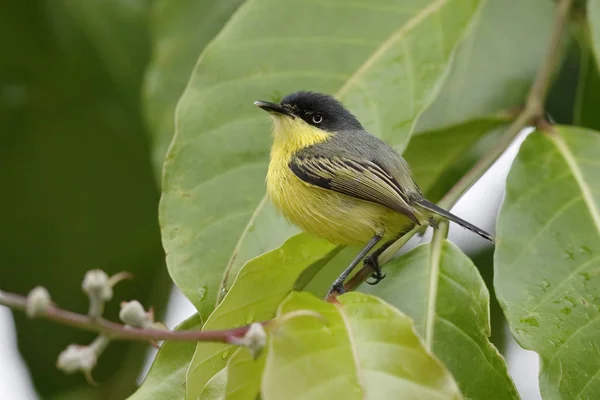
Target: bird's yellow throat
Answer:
pixel 293 134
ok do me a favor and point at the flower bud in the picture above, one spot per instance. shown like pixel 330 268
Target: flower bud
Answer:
pixel 38 301
pixel 133 314
pixel 96 283
pixel 77 358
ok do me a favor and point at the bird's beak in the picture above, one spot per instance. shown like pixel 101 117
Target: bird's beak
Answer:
pixel 273 108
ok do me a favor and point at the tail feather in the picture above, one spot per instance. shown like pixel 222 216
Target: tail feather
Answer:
pixel 426 204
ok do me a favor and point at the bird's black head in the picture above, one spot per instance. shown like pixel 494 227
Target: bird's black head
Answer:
pixel 320 110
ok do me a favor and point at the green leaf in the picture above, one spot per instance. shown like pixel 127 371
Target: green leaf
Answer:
pixel 243 375
pixel 439 287
pixel 79 193
pixel 180 30
pixel 548 257
pixel 492 72
pixel 257 291
pixel 166 378
pixel 265 231
pixel 593 17
pixel 484 261
pixel 239 380
pixel 384 60
pixel 362 349
pixel 215 388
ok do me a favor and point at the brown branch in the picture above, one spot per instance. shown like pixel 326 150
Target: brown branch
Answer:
pixel 121 332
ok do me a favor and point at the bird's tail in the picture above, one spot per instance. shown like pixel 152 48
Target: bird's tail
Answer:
pixel 440 211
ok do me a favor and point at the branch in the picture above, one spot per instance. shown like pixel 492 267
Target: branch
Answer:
pixel 532 113
pixel 116 331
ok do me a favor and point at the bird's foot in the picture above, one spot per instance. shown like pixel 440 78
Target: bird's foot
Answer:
pixel 377 275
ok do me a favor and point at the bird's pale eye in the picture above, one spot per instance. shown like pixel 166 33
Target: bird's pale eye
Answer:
pixel 317 118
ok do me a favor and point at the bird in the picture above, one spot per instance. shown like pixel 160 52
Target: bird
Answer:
pixel 331 178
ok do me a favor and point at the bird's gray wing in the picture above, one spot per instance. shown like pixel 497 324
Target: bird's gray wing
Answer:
pixel 351 175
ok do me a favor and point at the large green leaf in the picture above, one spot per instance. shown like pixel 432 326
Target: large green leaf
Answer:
pixel 166 378
pixel 492 72
pixel 215 387
pixel 78 192
pixel 239 380
pixel 257 291
pixel 244 374
pixel 439 287
pixel 548 257
pixel 484 261
pixel 361 348
pixel 180 30
pixel 385 60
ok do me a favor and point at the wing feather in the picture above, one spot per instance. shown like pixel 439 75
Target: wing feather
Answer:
pixel 362 179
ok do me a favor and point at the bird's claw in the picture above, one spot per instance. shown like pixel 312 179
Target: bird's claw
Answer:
pixel 377 276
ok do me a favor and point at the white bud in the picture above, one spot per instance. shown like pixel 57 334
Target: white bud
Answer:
pixel 255 339
pixel 38 301
pixel 96 283
pixel 77 358
pixel 133 314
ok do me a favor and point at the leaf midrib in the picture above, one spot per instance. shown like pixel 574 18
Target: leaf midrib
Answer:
pixel 571 161
pixel 434 275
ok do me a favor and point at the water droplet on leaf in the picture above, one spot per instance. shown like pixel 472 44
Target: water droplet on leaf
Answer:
pixel 545 283
pixel 569 254
pixel 584 275
pixel 202 293
pixel 531 321
pixel 584 250
pixel 569 301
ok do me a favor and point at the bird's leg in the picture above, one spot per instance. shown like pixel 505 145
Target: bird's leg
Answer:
pixel 338 284
pixel 373 259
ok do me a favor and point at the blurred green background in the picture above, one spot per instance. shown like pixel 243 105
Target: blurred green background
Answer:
pixel 77 183
pixel 76 167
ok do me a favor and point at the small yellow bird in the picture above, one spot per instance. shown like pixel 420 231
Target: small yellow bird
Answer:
pixel 333 179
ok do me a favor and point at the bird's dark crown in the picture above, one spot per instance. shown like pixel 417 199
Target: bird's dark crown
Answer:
pixel 320 110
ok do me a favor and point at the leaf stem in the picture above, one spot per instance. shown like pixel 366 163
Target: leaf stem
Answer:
pixel 116 331
pixel 532 113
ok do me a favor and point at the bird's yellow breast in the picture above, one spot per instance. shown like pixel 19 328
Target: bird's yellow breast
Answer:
pixel 336 217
